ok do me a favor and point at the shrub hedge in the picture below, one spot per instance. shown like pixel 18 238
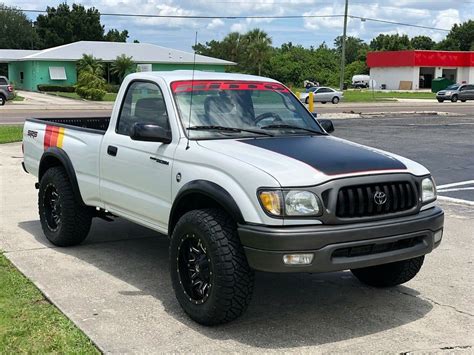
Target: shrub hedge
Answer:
pixel 59 88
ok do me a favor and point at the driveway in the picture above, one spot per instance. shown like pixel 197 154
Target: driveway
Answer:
pixel 42 101
pixel 116 288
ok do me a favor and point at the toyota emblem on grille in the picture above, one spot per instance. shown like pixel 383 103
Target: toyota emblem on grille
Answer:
pixel 380 198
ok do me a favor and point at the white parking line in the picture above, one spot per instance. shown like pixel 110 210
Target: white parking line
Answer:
pixel 455 189
pixel 456 200
pixel 467 182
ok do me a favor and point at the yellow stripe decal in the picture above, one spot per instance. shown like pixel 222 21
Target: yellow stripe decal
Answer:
pixel 61 137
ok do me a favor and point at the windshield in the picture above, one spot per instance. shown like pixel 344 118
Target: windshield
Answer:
pixel 452 87
pixel 236 109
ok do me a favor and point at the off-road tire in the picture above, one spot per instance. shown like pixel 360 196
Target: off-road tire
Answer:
pixel 454 98
pixel 388 275
pixel 3 100
pixel 231 280
pixel 335 100
pixel 75 217
pixel 440 100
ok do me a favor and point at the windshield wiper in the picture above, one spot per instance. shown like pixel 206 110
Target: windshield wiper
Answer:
pixel 289 126
pixel 228 129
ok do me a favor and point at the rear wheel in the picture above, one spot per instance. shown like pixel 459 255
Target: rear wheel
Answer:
pixel 463 100
pixel 454 98
pixel 65 221
pixel 388 275
pixel 306 100
pixel 209 271
pixel 3 100
pixel 323 102
pixel 335 100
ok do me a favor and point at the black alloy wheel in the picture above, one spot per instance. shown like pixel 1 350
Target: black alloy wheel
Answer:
pixel 194 269
pixel 52 207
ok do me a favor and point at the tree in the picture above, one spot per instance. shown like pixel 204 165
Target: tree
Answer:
pixel 115 35
pixel 460 38
pixel 91 64
pixel 64 25
pixel 90 84
pixel 390 42
pixel 258 46
pixel 356 48
pixel 122 66
pixel 422 42
pixel 16 31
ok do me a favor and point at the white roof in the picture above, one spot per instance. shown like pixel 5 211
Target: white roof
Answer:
pixel 175 75
pixel 14 54
pixel 108 52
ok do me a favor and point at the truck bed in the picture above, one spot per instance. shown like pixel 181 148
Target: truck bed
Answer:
pixel 94 124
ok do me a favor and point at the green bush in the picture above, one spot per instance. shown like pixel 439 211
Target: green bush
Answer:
pixel 57 88
pixel 112 88
pixel 91 86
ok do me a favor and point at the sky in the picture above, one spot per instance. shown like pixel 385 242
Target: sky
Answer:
pixel 180 33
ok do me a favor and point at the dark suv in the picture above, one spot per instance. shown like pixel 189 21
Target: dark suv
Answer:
pixel 6 91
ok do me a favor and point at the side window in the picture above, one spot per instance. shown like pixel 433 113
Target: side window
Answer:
pixel 462 88
pixel 143 103
pixel 3 81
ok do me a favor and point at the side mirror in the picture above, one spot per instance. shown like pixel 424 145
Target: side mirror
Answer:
pixel 150 132
pixel 327 125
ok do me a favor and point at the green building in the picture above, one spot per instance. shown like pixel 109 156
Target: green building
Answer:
pixel 57 66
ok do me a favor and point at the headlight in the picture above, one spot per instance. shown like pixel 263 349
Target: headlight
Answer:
pixel 428 190
pixel 301 203
pixel 291 203
pixel 448 92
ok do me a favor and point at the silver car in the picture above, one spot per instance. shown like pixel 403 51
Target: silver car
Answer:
pixel 6 91
pixel 323 94
pixel 456 92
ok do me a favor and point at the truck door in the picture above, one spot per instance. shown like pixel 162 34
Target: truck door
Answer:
pixel 136 175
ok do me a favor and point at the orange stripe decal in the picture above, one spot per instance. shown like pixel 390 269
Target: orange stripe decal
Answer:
pixel 61 137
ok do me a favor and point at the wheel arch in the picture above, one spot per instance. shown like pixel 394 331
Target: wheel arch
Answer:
pixel 55 156
pixel 202 194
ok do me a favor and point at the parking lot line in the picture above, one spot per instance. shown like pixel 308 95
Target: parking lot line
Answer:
pixel 467 182
pixel 456 200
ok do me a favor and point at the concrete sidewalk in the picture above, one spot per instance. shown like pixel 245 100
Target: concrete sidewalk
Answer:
pixel 116 288
pixel 42 101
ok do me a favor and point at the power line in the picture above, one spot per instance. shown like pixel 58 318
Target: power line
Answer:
pixel 276 17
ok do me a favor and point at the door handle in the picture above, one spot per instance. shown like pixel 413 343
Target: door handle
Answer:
pixel 111 150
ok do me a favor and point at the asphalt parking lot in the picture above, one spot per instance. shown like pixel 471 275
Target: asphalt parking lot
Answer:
pixel 116 285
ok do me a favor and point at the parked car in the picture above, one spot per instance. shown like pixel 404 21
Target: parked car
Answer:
pixel 360 81
pixel 322 94
pixel 456 92
pixel 243 179
pixel 6 91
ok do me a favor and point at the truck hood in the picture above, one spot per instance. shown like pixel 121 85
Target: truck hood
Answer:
pixel 311 160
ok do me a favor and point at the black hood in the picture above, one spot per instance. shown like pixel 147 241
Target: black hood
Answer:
pixel 329 155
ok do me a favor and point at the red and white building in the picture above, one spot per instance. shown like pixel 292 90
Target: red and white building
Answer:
pixel 419 67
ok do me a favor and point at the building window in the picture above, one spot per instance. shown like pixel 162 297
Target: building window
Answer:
pixel 22 76
pixel 57 73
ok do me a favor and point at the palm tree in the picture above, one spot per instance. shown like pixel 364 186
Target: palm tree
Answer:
pixel 88 63
pixel 258 46
pixel 232 45
pixel 122 66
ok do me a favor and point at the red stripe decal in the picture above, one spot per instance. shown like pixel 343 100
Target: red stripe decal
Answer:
pixel 208 85
pixel 47 137
pixel 54 136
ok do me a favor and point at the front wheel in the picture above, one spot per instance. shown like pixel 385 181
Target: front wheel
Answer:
pixel 335 100
pixel 388 275
pixel 209 271
pixel 306 100
pixel 463 100
pixel 65 220
pixel 454 98
pixel 440 100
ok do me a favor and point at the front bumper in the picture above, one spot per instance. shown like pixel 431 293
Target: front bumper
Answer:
pixel 373 243
pixel 444 96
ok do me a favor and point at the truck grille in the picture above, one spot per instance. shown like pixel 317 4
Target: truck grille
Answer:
pixel 361 200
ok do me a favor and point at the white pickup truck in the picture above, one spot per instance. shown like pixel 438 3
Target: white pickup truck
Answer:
pixel 241 177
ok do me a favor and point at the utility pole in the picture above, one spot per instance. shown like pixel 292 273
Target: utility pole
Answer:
pixel 343 54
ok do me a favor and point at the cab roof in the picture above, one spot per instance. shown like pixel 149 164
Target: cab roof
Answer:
pixel 176 75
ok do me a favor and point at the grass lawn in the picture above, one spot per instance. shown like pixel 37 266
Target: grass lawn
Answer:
pixel 368 96
pixel 30 324
pixel 110 96
pixel 9 134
